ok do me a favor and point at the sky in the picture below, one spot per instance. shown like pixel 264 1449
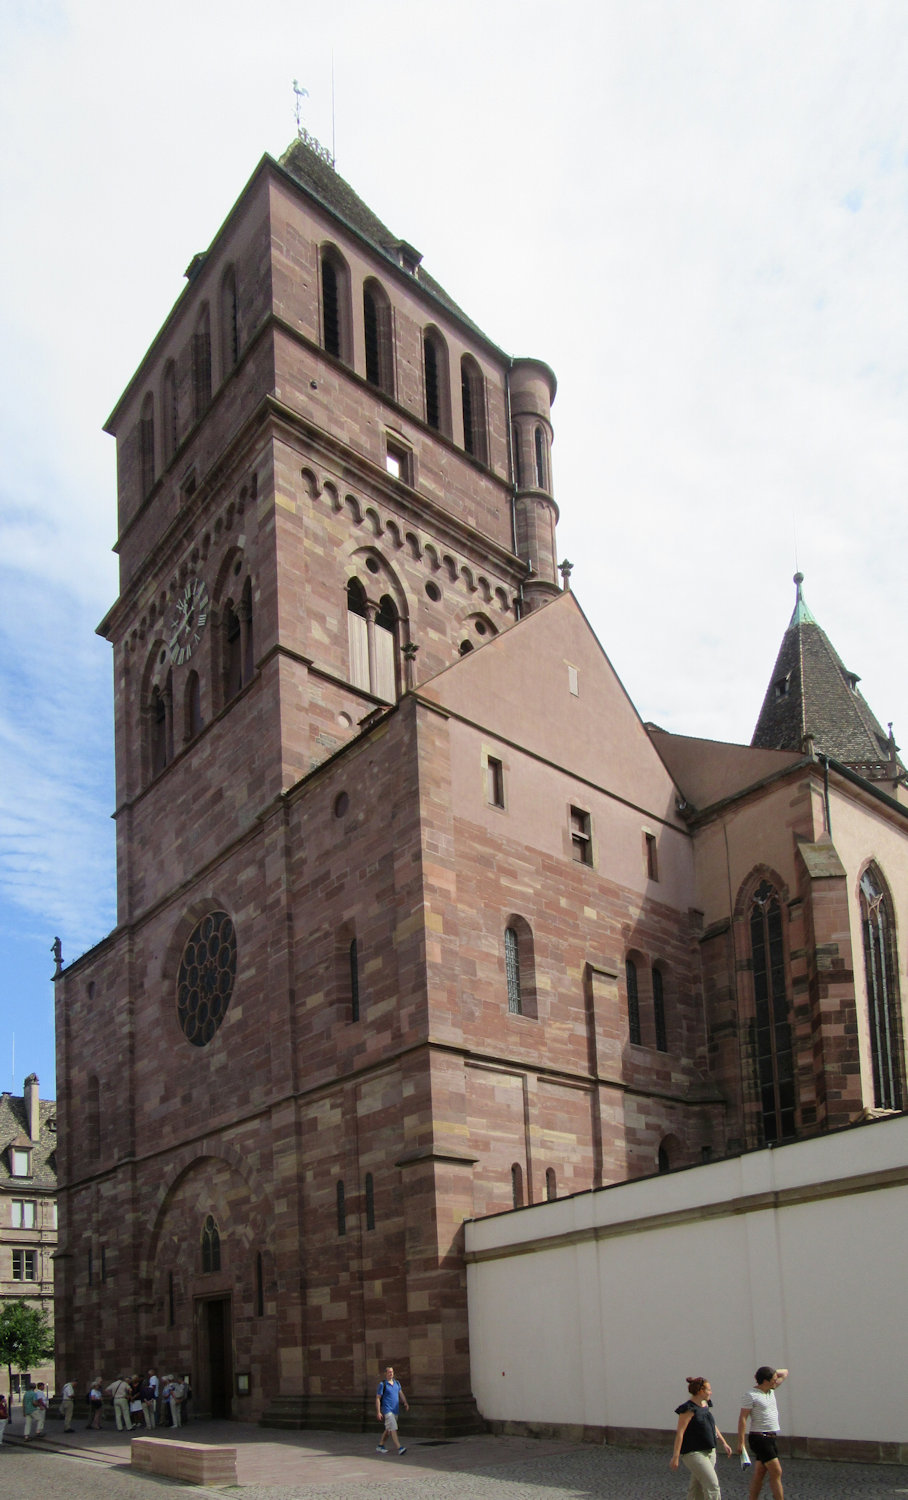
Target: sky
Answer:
pixel 696 211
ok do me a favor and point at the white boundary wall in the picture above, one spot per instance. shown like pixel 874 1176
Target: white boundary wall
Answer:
pixel 591 1311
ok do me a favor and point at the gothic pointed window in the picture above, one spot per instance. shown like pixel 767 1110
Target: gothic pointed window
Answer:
pixel 883 1003
pixel 773 1056
pixel 211 1246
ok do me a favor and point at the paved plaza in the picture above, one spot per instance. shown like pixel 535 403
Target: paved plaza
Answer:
pixel 343 1466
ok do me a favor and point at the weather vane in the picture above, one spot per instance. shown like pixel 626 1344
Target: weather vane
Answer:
pixel 301 94
pixel 303 134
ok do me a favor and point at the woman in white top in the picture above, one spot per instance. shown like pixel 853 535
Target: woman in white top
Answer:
pixel 760 1406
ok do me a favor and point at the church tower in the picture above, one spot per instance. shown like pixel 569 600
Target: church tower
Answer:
pixel 318 511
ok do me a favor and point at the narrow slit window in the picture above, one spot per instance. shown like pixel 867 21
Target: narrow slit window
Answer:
pixel 512 970
pixel 341 1210
pixel 581 837
pixel 540 458
pixel 211 1246
pixel 517 1185
pixel 659 1011
pixel 633 1002
pixel 370 1201
pixel 773 1055
pixel 330 308
pixel 495 782
pixel 354 981
pixel 652 864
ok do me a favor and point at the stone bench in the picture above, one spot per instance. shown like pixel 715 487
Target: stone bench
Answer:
pixel 198 1463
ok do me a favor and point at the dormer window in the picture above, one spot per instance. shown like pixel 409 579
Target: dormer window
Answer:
pixel 781 685
pixel 852 679
pixel 408 257
pixel 20 1163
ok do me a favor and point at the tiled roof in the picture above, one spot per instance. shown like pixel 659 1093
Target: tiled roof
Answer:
pixel 326 185
pixel 811 693
pixel 14 1130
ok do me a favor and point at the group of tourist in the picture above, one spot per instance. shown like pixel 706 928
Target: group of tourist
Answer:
pixel 697 1436
pixel 159 1402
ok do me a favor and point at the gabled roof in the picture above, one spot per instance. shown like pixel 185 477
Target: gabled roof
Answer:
pixel 547 687
pixel 811 694
pixel 14 1132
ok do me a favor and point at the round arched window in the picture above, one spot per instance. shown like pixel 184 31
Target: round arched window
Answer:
pixel 206 977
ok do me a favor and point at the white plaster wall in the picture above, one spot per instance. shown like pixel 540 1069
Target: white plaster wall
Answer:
pixel 604 1331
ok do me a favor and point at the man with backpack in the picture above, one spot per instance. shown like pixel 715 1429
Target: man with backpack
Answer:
pixel 388 1397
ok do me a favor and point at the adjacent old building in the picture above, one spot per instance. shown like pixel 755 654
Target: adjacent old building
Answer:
pixel 417 920
pixel 28 1204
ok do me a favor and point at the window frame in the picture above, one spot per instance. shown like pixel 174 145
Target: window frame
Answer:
pixel 494 778
pixel 772 1031
pixel 881 975
pixel 581 830
pixel 24 1259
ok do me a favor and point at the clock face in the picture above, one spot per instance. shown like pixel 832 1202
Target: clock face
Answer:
pixel 188 621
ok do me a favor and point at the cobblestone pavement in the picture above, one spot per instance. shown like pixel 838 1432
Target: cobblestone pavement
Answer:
pixel 472 1469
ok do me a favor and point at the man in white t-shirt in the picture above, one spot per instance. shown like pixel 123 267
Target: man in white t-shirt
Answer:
pixel 760 1406
pixel 67 1397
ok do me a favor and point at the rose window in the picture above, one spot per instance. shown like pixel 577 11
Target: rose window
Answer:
pixel 206 978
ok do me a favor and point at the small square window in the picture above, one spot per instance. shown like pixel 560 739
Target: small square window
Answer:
pixel 495 782
pixel 652 861
pixel 398 461
pixel 581 837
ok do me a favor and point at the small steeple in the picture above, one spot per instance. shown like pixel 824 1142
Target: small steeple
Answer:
pixel 802 615
pixel 812 697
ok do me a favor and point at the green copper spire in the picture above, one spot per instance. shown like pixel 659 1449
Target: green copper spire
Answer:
pixel 802 615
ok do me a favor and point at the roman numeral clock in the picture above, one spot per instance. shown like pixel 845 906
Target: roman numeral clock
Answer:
pixel 188 620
